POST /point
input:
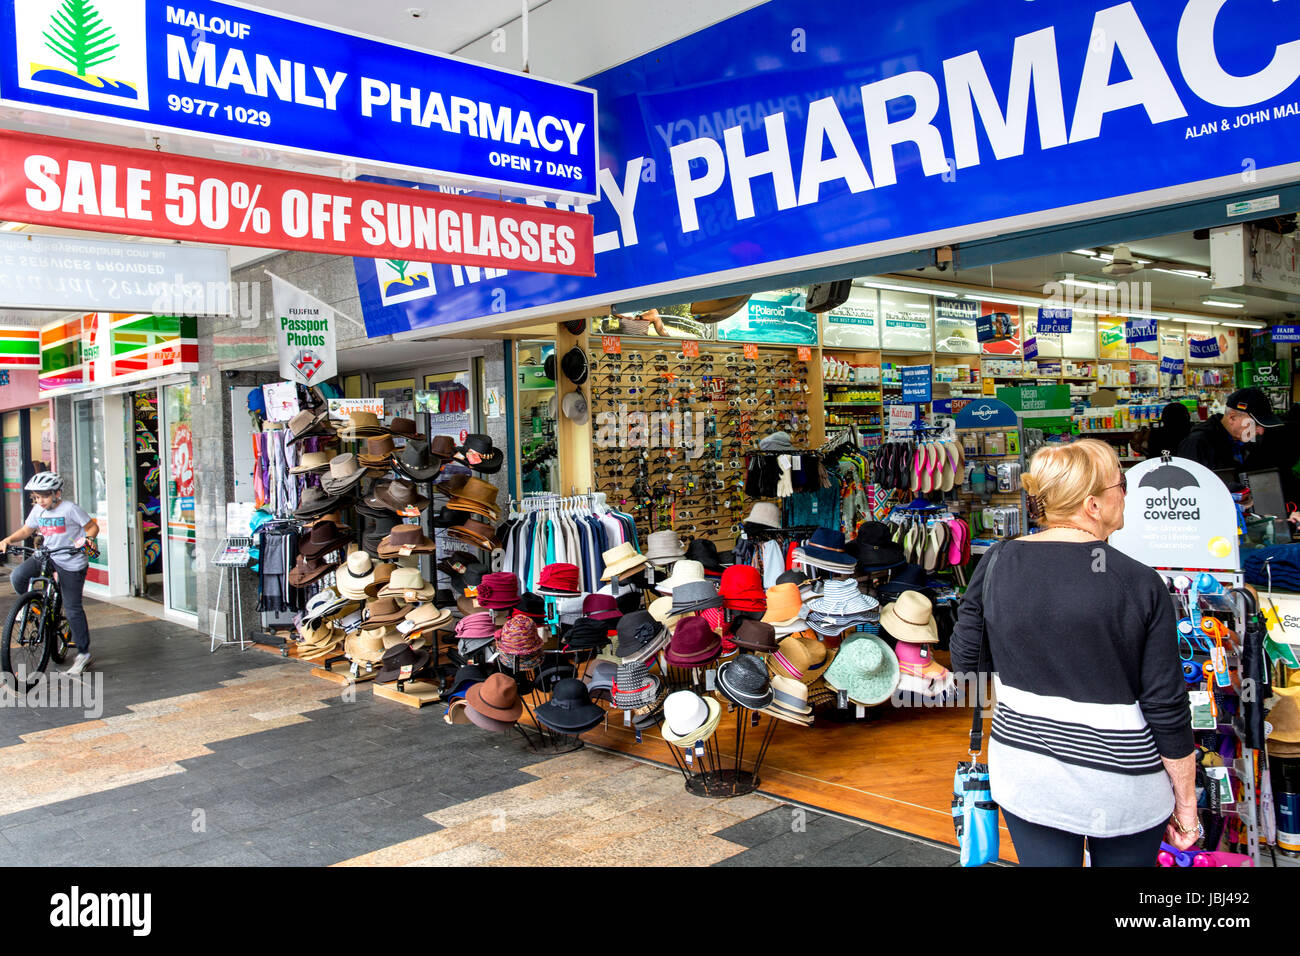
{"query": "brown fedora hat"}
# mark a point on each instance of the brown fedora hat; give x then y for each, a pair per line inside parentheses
(476, 532)
(323, 538)
(474, 491)
(404, 428)
(308, 570)
(378, 450)
(381, 575)
(443, 446)
(406, 539)
(385, 610)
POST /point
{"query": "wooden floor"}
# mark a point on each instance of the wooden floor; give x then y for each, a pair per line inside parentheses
(893, 768)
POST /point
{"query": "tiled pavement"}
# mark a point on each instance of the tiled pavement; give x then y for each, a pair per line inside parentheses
(243, 758)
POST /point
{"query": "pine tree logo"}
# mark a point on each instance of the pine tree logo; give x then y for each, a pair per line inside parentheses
(72, 48)
(79, 35)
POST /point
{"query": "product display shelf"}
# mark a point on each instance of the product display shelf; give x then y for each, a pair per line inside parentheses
(972, 503)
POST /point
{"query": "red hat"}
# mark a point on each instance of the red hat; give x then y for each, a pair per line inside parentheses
(693, 643)
(741, 588)
(560, 580)
(498, 590)
(601, 607)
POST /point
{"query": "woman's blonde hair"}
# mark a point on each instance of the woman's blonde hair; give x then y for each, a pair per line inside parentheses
(1060, 477)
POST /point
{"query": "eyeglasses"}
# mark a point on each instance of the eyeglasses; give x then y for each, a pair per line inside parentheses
(1122, 485)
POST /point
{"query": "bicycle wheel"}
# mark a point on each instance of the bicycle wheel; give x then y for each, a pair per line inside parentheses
(62, 642)
(24, 650)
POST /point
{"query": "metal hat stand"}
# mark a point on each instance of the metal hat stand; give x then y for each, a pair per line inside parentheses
(541, 738)
(718, 780)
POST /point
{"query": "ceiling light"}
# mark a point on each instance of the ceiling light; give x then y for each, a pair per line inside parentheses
(1005, 299)
(1223, 303)
(1085, 283)
(1244, 325)
(1185, 273)
(1187, 321)
(1090, 253)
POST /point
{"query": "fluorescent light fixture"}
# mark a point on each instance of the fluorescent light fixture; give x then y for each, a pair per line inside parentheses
(1187, 321)
(1007, 299)
(1087, 284)
(1090, 253)
(1223, 303)
(868, 284)
(1244, 325)
(1185, 273)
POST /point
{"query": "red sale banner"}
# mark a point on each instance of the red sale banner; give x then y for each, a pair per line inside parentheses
(691, 348)
(611, 345)
(750, 350)
(805, 353)
(60, 182)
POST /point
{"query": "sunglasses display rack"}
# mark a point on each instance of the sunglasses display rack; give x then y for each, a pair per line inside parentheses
(685, 468)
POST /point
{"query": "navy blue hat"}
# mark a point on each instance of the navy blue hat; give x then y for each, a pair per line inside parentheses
(826, 549)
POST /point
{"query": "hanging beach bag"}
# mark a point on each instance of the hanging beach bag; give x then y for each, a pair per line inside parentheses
(974, 814)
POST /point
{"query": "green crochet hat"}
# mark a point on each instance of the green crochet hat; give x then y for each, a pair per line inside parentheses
(866, 669)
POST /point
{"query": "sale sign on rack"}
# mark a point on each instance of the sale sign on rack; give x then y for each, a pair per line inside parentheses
(49, 181)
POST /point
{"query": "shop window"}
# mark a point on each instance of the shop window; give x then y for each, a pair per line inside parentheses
(538, 414)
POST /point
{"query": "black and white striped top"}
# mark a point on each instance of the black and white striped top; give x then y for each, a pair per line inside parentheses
(1089, 685)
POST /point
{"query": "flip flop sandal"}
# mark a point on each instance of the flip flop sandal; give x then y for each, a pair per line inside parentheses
(914, 477)
(938, 458)
(945, 542)
(923, 472)
(950, 466)
(931, 554)
(954, 545)
(912, 544)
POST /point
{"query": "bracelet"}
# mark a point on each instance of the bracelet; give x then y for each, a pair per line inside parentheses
(1182, 829)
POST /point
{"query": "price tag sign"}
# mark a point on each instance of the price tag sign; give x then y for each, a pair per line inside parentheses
(751, 351)
(611, 345)
(805, 353)
(691, 348)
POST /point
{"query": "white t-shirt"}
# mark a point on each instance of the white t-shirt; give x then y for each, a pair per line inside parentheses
(62, 527)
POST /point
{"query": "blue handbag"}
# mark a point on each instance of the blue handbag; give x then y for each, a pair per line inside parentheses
(974, 814)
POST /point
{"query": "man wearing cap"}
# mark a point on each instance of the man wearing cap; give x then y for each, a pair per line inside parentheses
(1235, 439)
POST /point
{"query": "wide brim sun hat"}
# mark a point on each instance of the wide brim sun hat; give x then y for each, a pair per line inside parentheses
(910, 619)
(699, 734)
(866, 668)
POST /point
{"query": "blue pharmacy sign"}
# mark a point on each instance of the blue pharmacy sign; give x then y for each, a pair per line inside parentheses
(230, 72)
(1203, 348)
(803, 135)
(1286, 333)
(1139, 330)
(1171, 366)
(1055, 321)
(917, 383)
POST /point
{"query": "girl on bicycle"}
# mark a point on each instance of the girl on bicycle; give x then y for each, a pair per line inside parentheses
(62, 524)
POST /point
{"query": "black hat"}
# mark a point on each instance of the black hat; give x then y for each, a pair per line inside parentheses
(446, 517)
(629, 601)
(584, 634)
(877, 557)
(797, 578)
(570, 710)
(415, 461)
(706, 552)
(639, 636)
(548, 366)
(396, 661)
(533, 605)
(456, 562)
(873, 532)
(465, 677)
(491, 457)
(575, 326)
(315, 501)
(1254, 403)
(910, 578)
(743, 680)
(574, 365)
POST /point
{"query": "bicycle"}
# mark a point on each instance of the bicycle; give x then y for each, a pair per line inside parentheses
(36, 630)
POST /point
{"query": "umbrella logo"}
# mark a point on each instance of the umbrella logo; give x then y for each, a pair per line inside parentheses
(1169, 476)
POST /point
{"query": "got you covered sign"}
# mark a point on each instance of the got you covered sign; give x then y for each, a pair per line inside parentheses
(220, 71)
(1178, 514)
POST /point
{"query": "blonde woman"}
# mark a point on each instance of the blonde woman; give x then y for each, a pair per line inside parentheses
(1091, 738)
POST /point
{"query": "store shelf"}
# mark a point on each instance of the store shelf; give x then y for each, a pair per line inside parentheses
(1107, 431)
(853, 404)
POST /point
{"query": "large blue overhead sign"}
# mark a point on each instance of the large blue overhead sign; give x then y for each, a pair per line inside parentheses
(217, 70)
(797, 135)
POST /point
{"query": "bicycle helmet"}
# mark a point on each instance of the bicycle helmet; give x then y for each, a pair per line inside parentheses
(44, 482)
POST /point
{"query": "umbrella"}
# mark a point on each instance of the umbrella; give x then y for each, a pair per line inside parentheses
(1169, 476)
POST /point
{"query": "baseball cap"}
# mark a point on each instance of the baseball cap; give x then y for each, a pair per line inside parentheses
(1254, 403)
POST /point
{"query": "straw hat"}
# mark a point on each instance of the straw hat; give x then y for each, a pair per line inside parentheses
(409, 585)
(354, 576)
(684, 572)
(910, 619)
(366, 646)
(800, 658)
(664, 547)
(661, 610)
(621, 559)
(313, 461)
(423, 618)
(1284, 717)
(362, 425)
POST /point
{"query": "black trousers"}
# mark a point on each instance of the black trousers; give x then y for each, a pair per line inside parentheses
(71, 584)
(1044, 846)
